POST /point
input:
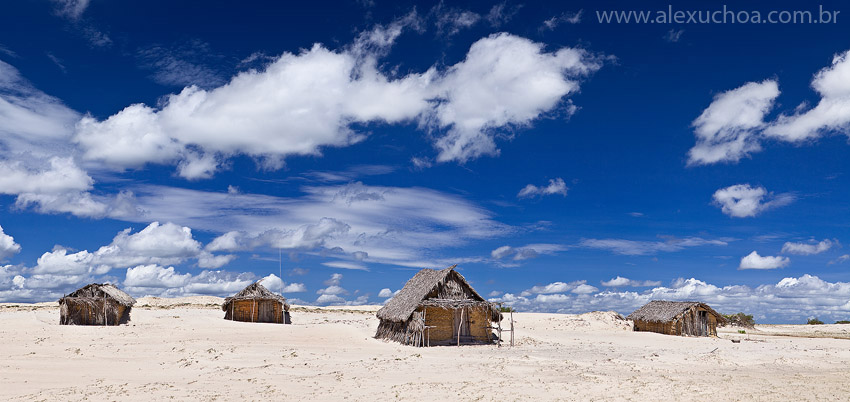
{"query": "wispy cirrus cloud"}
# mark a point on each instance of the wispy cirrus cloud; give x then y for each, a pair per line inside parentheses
(555, 186)
(637, 247)
(674, 35)
(71, 9)
(527, 252)
(184, 64)
(364, 224)
(564, 18)
(808, 248)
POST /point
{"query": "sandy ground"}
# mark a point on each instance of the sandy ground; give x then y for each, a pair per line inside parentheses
(183, 349)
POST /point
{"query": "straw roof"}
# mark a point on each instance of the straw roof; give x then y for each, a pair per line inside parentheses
(666, 311)
(402, 305)
(255, 291)
(101, 290)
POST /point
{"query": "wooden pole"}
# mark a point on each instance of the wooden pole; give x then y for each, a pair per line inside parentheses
(253, 303)
(427, 328)
(500, 326)
(460, 325)
(512, 329)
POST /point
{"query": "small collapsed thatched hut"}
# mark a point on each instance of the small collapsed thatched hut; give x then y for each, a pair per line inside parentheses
(437, 307)
(95, 304)
(677, 318)
(255, 303)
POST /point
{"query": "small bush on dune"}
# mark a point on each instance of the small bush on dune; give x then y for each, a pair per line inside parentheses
(740, 320)
(842, 322)
(814, 321)
(506, 309)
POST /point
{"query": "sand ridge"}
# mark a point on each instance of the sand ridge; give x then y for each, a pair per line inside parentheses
(183, 349)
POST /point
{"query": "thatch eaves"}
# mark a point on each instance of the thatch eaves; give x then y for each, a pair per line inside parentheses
(402, 305)
(101, 290)
(666, 311)
(255, 291)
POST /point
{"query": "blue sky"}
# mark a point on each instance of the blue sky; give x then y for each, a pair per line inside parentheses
(565, 164)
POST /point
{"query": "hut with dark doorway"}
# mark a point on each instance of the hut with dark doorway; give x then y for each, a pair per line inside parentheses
(96, 304)
(437, 308)
(677, 318)
(255, 303)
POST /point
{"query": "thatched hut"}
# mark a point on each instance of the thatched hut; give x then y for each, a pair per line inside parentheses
(256, 304)
(96, 304)
(677, 318)
(437, 307)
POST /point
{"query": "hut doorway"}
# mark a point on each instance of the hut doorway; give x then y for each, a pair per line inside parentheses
(702, 323)
(460, 329)
(267, 312)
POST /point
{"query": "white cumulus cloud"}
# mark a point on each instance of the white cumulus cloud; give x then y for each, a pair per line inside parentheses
(303, 102)
(755, 261)
(789, 300)
(831, 114)
(733, 126)
(8, 247)
(728, 129)
(744, 200)
(155, 276)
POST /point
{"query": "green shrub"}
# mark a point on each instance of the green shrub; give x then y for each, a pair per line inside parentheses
(741, 331)
(506, 309)
(842, 322)
(740, 320)
(814, 321)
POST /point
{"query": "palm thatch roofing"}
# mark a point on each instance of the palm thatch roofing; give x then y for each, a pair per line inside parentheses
(255, 291)
(100, 291)
(415, 291)
(666, 311)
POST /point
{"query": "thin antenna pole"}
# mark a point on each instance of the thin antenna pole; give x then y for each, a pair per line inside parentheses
(280, 272)
(280, 268)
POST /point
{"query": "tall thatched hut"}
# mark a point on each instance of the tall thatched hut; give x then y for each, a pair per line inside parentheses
(96, 304)
(677, 318)
(255, 303)
(440, 308)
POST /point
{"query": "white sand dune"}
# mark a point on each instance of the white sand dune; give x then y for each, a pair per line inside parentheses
(183, 349)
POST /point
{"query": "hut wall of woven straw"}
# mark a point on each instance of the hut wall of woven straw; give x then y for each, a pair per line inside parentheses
(446, 300)
(85, 311)
(442, 320)
(677, 318)
(480, 324)
(668, 328)
(95, 304)
(255, 303)
(445, 323)
(256, 311)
